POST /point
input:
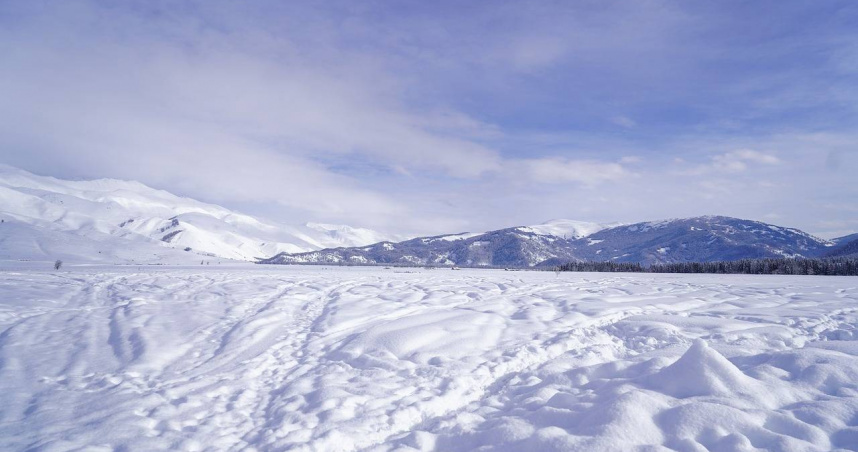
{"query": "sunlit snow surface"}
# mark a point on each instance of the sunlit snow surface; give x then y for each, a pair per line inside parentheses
(313, 358)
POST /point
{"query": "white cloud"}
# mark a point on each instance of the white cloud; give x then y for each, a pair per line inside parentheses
(738, 160)
(230, 114)
(560, 170)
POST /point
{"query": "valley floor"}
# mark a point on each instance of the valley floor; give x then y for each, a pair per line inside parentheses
(318, 358)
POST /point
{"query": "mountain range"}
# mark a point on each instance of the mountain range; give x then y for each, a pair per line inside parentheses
(701, 239)
(116, 221)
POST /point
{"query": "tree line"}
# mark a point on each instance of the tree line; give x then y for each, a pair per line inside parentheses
(771, 266)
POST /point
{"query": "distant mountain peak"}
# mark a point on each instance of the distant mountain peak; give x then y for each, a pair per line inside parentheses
(569, 229)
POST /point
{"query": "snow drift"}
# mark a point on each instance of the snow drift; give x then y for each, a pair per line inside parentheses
(298, 358)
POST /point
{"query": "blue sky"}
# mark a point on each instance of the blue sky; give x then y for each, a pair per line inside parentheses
(431, 117)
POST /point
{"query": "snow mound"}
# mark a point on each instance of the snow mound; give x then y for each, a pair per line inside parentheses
(702, 371)
(423, 337)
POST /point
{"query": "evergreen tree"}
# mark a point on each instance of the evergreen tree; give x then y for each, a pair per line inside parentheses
(838, 266)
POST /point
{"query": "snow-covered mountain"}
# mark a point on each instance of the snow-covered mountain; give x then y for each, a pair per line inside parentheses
(846, 246)
(46, 214)
(682, 240)
(568, 229)
(35, 240)
(523, 246)
(512, 247)
(701, 239)
(323, 235)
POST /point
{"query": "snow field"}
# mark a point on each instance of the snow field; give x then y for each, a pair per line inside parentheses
(314, 358)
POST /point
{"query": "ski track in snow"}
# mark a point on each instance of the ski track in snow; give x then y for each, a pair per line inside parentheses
(311, 358)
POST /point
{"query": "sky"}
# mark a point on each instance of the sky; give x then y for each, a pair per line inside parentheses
(422, 117)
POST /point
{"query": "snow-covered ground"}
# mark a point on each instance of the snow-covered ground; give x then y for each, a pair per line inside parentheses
(316, 358)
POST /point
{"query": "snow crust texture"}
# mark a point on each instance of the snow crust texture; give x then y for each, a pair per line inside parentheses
(342, 359)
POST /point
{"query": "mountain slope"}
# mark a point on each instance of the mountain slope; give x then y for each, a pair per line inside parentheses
(513, 247)
(709, 238)
(45, 243)
(96, 209)
(845, 239)
(845, 247)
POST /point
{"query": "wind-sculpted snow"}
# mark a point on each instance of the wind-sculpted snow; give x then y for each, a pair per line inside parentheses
(297, 358)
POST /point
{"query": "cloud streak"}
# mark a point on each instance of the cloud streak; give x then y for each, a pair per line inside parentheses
(738, 160)
(563, 171)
